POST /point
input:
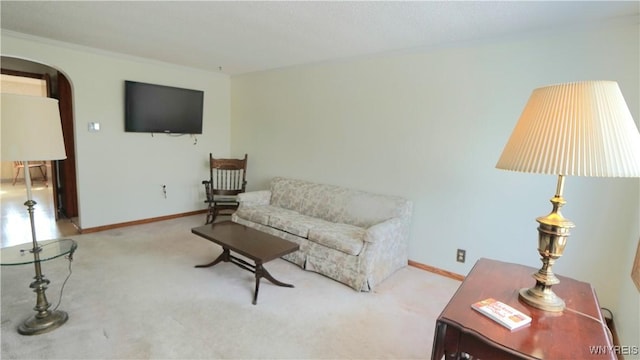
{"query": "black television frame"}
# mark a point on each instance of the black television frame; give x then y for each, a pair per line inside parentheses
(153, 108)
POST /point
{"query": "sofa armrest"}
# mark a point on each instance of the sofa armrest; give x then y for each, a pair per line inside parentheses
(254, 198)
(386, 247)
(385, 231)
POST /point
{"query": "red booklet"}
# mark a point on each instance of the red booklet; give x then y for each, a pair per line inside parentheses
(502, 313)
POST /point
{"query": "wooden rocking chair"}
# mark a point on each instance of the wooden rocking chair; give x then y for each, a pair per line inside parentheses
(227, 178)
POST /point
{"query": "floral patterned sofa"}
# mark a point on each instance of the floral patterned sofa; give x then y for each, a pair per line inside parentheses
(354, 237)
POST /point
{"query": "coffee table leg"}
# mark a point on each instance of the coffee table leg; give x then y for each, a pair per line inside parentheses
(258, 273)
(268, 276)
(261, 272)
(223, 257)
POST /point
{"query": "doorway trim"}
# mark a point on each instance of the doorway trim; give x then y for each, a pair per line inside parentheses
(64, 175)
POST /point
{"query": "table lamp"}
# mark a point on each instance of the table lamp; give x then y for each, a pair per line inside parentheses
(30, 130)
(573, 129)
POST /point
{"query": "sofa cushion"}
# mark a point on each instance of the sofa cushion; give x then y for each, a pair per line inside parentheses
(293, 223)
(289, 193)
(260, 214)
(366, 209)
(325, 202)
(335, 203)
(343, 237)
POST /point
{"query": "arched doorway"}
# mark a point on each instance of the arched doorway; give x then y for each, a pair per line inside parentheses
(61, 218)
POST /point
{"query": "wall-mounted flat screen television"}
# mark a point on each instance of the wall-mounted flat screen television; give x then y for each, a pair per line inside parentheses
(162, 109)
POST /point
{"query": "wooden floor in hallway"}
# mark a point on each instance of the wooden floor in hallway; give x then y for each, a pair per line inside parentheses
(14, 217)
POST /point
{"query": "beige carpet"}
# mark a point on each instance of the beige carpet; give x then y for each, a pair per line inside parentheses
(134, 294)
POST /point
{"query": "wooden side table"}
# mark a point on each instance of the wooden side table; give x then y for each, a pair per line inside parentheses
(579, 332)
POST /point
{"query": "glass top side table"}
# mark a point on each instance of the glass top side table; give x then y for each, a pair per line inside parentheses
(44, 320)
(23, 254)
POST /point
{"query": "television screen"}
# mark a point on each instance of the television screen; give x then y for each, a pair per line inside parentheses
(162, 109)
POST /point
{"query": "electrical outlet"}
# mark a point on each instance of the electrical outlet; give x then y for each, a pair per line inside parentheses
(461, 255)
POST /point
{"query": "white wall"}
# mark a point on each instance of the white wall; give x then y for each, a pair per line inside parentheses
(427, 125)
(120, 175)
(430, 126)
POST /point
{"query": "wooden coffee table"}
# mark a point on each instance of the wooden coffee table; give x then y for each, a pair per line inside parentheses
(253, 244)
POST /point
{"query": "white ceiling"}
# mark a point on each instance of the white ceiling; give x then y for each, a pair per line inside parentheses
(244, 36)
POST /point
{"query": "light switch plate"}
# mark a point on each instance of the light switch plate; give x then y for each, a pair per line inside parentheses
(94, 126)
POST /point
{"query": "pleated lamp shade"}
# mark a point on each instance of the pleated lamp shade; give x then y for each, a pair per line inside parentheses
(576, 129)
(30, 129)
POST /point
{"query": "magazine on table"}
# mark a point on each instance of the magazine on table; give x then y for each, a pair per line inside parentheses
(502, 313)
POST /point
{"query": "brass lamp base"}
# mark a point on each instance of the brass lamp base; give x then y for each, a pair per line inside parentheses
(37, 325)
(44, 320)
(553, 234)
(544, 299)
